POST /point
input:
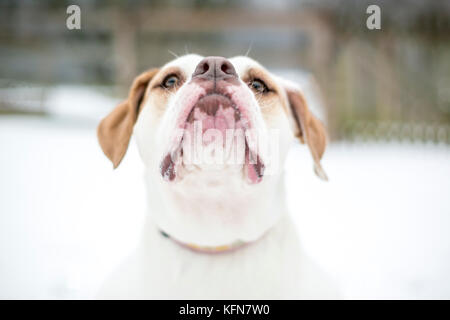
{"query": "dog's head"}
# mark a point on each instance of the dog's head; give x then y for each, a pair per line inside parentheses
(213, 134)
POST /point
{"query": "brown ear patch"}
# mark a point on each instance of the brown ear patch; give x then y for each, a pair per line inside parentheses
(309, 129)
(114, 131)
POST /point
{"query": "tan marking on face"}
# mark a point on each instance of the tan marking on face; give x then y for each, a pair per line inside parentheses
(159, 78)
(156, 95)
(272, 103)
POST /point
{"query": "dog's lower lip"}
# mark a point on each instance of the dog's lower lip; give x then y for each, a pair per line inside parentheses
(253, 166)
(168, 168)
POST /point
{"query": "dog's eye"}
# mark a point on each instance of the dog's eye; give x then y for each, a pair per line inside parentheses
(259, 86)
(170, 81)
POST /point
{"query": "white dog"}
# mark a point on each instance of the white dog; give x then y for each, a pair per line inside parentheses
(213, 134)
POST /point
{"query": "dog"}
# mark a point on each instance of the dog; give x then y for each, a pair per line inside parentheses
(215, 229)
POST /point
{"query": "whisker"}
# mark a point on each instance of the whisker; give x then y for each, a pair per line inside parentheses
(249, 48)
(173, 53)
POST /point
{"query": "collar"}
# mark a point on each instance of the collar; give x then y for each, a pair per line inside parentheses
(206, 249)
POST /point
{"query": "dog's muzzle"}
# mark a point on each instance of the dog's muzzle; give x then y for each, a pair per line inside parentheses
(214, 110)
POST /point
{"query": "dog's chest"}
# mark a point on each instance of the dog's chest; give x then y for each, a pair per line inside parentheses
(162, 269)
(247, 272)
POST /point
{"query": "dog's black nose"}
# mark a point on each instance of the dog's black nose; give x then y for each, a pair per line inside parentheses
(215, 68)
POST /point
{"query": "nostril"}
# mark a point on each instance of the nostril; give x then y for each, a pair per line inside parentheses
(205, 67)
(224, 68)
(227, 68)
(201, 69)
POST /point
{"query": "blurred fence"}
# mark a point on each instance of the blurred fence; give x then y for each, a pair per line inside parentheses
(388, 83)
(413, 132)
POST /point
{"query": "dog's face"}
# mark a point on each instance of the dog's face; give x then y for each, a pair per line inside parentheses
(213, 134)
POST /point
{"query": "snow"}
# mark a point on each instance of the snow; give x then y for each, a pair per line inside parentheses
(379, 226)
(69, 101)
(79, 101)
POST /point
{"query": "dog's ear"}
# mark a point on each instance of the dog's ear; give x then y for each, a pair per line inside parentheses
(114, 131)
(309, 129)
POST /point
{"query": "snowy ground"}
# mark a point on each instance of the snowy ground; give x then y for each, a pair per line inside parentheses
(380, 226)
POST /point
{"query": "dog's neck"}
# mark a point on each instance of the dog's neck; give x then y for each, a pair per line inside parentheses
(215, 216)
(207, 249)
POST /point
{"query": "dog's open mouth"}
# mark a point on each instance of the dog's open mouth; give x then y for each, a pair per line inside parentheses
(215, 134)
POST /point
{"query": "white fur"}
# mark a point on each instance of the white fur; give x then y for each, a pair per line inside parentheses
(213, 208)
